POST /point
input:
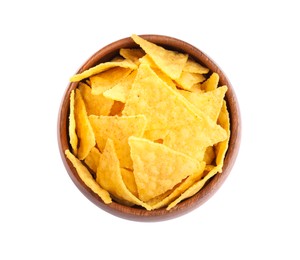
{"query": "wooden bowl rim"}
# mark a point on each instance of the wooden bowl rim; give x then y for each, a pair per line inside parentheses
(210, 188)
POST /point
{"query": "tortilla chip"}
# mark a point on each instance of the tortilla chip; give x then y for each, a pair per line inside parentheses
(194, 67)
(121, 90)
(118, 128)
(187, 80)
(95, 104)
(211, 83)
(170, 62)
(124, 63)
(153, 175)
(163, 106)
(110, 178)
(129, 181)
(92, 160)
(221, 148)
(108, 79)
(194, 188)
(209, 102)
(83, 127)
(72, 124)
(87, 178)
(132, 54)
(117, 109)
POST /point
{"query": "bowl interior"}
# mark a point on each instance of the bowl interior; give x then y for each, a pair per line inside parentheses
(137, 213)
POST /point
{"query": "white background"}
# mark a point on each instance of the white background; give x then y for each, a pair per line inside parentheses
(255, 214)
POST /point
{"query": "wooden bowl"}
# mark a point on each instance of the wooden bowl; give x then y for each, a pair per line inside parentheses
(210, 188)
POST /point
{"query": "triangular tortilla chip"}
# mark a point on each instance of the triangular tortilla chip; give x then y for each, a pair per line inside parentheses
(118, 128)
(163, 106)
(95, 104)
(194, 67)
(182, 187)
(72, 124)
(222, 147)
(87, 178)
(209, 102)
(110, 178)
(108, 79)
(132, 54)
(83, 127)
(153, 175)
(92, 159)
(211, 83)
(121, 91)
(188, 79)
(124, 63)
(170, 62)
(194, 188)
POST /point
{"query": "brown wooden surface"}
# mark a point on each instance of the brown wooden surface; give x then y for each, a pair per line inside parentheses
(135, 213)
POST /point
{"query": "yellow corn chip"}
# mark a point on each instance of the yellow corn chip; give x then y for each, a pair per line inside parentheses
(95, 104)
(222, 147)
(108, 79)
(72, 124)
(211, 83)
(194, 188)
(209, 102)
(117, 109)
(129, 181)
(87, 178)
(132, 54)
(92, 159)
(209, 155)
(124, 63)
(163, 106)
(118, 128)
(170, 62)
(153, 175)
(182, 187)
(121, 90)
(110, 178)
(83, 127)
(194, 67)
(188, 79)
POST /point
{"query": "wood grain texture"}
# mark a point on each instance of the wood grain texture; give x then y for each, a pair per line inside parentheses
(210, 188)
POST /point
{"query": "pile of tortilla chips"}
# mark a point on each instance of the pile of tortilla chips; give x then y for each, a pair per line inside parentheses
(148, 128)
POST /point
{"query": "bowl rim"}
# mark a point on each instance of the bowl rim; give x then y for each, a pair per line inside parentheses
(210, 188)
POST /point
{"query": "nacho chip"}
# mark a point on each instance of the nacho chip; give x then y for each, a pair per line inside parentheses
(170, 62)
(211, 83)
(92, 159)
(154, 175)
(118, 128)
(181, 188)
(121, 90)
(129, 181)
(194, 67)
(188, 79)
(132, 54)
(108, 79)
(163, 106)
(117, 109)
(110, 178)
(95, 104)
(209, 102)
(221, 148)
(194, 188)
(87, 178)
(124, 63)
(83, 127)
(72, 124)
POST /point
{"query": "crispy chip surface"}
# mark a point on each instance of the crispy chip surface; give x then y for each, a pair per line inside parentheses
(83, 127)
(123, 63)
(87, 178)
(211, 83)
(158, 168)
(72, 124)
(170, 62)
(110, 178)
(92, 159)
(95, 104)
(118, 129)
